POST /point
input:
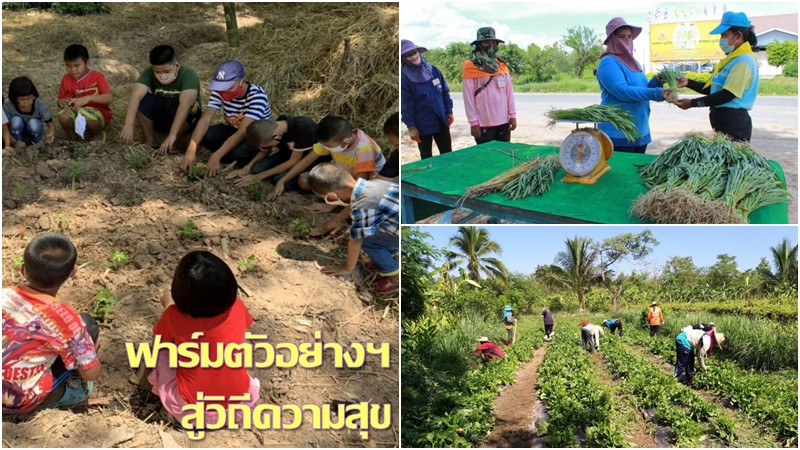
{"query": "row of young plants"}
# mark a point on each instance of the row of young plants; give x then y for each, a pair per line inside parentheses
(574, 399)
(448, 394)
(675, 406)
(751, 342)
(780, 310)
(768, 399)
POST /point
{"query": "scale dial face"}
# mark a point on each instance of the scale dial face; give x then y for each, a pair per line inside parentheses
(580, 153)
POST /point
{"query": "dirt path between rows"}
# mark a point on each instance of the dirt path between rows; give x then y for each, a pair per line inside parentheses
(748, 434)
(635, 430)
(514, 409)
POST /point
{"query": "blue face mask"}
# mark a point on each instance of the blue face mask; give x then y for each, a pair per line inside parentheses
(723, 44)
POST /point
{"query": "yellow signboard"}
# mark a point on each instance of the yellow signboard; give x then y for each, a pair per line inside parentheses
(684, 41)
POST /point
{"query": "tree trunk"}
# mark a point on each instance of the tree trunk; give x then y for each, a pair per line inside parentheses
(230, 24)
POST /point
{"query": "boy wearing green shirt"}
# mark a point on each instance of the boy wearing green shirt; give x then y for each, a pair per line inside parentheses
(165, 98)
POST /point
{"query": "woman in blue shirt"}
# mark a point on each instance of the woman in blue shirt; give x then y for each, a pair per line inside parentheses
(426, 107)
(732, 88)
(624, 84)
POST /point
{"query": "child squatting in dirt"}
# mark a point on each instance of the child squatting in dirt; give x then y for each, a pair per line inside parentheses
(49, 350)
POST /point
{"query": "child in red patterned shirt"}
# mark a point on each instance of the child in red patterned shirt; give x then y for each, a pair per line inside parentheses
(45, 341)
(84, 95)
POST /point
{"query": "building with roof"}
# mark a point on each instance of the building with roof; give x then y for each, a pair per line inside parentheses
(781, 28)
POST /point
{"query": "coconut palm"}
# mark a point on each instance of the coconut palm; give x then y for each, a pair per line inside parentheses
(784, 258)
(474, 248)
(574, 268)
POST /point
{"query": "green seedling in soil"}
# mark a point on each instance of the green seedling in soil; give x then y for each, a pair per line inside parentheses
(104, 265)
(246, 265)
(21, 188)
(104, 304)
(17, 261)
(119, 258)
(256, 190)
(75, 172)
(80, 151)
(196, 173)
(190, 231)
(138, 160)
(63, 222)
(300, 227)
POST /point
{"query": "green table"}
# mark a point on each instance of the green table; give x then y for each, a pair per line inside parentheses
(436, 184)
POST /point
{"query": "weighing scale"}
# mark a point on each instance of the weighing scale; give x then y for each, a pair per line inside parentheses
(584, 153)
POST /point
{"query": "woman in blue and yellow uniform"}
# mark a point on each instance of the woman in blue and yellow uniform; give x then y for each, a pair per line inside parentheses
(733, 86)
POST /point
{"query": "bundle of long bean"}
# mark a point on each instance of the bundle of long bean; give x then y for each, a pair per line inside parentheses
(669, 76)
(536, 181)
(711, 169)
(622, 120)
(500, 181)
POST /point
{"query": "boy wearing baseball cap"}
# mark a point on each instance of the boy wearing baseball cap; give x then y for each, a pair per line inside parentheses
(242, 103)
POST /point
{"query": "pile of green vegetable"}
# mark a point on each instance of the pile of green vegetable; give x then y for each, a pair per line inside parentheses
(529, 178)
(622, 120)
(702, 180)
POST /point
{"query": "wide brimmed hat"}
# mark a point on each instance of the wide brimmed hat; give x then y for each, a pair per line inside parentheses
(653, 304)
(483, 339)
(619, 22)
(406, 46)
(226, 74)
(720, 339)
(731, 19)
(486, 34)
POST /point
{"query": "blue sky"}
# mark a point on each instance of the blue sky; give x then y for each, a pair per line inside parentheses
(525, 246)
(434, 24)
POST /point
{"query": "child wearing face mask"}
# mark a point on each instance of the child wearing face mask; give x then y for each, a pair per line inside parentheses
(374, 206)
(27, 114)
(241, 103)
(351, 149)
(165, 99)
(84, 97)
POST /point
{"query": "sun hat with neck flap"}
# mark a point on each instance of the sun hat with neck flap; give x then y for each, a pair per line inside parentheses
(618, 22)
(486, 34)
(407, 46)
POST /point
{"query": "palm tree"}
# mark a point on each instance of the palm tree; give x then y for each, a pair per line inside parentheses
(574, 268)
(784, 257)
(473, 249)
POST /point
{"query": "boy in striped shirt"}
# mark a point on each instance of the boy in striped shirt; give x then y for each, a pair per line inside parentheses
(242, 103)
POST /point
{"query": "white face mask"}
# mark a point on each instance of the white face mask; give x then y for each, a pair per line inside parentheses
(167, 78)
(337, 202)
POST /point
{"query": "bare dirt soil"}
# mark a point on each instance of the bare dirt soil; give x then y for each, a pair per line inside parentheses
(116, 207)
(514, 409)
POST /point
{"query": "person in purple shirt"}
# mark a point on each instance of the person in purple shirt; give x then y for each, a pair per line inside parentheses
(548, 324)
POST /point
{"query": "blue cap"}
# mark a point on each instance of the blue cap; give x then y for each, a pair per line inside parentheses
(731, 19)
(226, 74)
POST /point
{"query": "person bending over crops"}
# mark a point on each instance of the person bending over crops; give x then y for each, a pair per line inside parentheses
(488, 350)
(732, 88)
(624, 84)
(427, 107)
(614, 325)
(699, 341)
(548, 324)
(488, 93)
(166, 99)
(655, 318)
(590, 335)
(242, 103)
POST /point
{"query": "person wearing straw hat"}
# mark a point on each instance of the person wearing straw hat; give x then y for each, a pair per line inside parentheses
(699, 341)
(731, 91)
(624, 84)
(488, 93)
(655, 318)
(426, 107)
(488, 350)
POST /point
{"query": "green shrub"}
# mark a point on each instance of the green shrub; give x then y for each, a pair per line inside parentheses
(790, 69)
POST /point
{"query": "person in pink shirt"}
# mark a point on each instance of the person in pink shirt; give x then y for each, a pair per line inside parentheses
(488, 92)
